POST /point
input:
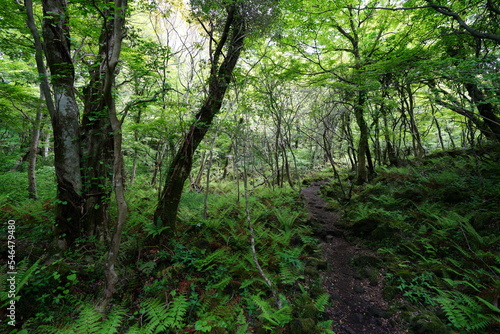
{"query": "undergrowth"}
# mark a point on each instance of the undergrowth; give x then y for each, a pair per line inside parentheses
(437, 221)
(202, 280)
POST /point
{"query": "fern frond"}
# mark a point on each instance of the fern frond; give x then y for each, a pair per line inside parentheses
(176, 312)
(276, 317)
(113, 321)
(321, 302)
(89, 321)
(463, 311)
(155, 312)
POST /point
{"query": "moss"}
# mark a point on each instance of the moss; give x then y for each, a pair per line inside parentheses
(383, 232)
(364, 227)
(302, 326)
(428, 323)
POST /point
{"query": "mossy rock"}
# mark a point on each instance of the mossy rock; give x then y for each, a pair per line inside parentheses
(302, 326)
(407, 275)
(364, 227)
(369, 273)
(305, 307)
(383, 232)
(427, 323)
(319, 262)
(454, 195)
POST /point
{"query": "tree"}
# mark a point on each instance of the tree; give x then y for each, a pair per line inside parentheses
(227, 24)
(222, 65)
(64, 114)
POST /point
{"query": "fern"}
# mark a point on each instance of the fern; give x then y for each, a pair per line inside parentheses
(462, 311)
(177, 311)
(155, 312)
(326, 326)
(23, 275)
(321, 302)
(285, 218)
(210, 261)
(275, 317)
(163, 316)
(90, 321)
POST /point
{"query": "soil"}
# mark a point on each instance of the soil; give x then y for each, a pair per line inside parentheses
(357, 304)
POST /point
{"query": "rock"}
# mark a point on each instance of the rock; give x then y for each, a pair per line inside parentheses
(302, 326)
(427, 323)
(377, 312)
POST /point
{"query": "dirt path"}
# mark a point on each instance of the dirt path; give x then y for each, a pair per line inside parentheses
(358, 305)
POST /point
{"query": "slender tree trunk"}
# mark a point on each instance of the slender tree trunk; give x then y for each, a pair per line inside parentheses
(440, 135)
(220, 77)
(46, 144)
(207, 182)
(226, 161)
(35, 139)
(417, 143)
(199, 175)
(111, 61)
(364, 156)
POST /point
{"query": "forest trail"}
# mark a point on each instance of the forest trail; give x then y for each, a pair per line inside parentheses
(357, 305)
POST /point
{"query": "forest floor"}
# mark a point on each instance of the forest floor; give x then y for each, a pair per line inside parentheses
(357, 305)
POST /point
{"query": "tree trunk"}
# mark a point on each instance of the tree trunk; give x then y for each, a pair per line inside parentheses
(220, 77)
(64, 116)
(418, 149)
(364, 156)
(97, 138)
(486, 110)
(111, 60)
(35, 139)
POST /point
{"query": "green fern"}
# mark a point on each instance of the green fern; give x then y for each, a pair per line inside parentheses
(275, 317)
(286, 218)
(163, 316)
(176, 311)
(155, 312)
(23, 275)
(321, 302)
(90, 321)
(463, 311)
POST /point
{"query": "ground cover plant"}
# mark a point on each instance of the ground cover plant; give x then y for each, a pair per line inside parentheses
(203, 280)
(436, 220)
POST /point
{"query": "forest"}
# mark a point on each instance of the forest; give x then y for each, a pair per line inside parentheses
(250, 166)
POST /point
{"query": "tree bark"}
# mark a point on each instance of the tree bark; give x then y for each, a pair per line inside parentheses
(64, 116)
(97, 137)
(365, 165)
(220, 77)
(116, 36)
(35, 139)
(486, 110)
